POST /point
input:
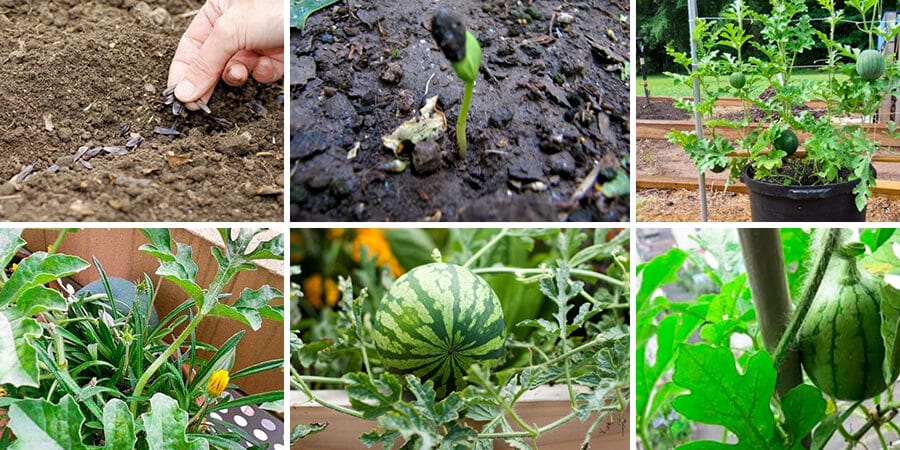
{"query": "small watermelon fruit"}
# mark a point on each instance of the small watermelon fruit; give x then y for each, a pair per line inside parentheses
(841, 347)
(737, 80)
(787, 142)
(436, 321)
(870, 65)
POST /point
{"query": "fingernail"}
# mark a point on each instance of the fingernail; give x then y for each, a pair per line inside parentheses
(185, 91)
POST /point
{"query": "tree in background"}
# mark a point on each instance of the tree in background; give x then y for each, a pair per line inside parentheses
(665, 22)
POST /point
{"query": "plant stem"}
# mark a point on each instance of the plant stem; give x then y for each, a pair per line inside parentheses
(312, 397)
(579, 272)
(764, 260)
(211, 295)
(486, 247)
(810, 287)
(59, 239)
(461, 121)
(315, 379)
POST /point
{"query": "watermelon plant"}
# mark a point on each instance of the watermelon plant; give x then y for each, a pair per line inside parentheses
(474, 320)
(795, 345)
(90, 369)
(756, 51)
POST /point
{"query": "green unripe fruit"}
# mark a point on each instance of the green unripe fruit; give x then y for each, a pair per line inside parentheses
(870, 65)
(436, 321)
(841, 347)
(787, 142)
(737, 80)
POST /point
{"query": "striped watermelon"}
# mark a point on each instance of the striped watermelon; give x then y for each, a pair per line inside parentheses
(436, 321)
(841, 347)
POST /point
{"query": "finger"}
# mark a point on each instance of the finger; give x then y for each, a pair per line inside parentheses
(190, 43)
(267, 70)
(235, 74)
(206, 68)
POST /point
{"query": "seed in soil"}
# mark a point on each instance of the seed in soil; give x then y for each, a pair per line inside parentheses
(167, 131)
(134, 142)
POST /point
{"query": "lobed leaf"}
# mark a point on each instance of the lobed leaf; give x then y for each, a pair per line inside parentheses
(165, 426)
(41, 424)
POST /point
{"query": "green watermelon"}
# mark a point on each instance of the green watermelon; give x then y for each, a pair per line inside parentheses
(870, 65)
(737, 80)
(841, 347)
(436, 321)
(787, 142)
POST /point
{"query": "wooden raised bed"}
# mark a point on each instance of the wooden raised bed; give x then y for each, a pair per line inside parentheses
(117, 251)
(541, 406)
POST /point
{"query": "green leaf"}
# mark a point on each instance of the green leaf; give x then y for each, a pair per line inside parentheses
(302, 9)
(719, 395)
(18, 359)
(160, 244)
(661, 270)
(803, 408)
(10, 243)
(38, 269)
(183, 272)
(40, 299)
(467, 68)
(890, 330)
(165, 426)
(303, 430)
(39, 424)
(618, 186)
(251, 306)
(118, 426)
(875, 238)
(371, 397)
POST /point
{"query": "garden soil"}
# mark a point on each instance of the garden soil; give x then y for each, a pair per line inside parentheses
(76, 74)
(551, 105)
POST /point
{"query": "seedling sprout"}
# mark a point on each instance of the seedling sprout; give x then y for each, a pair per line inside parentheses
(461, 48)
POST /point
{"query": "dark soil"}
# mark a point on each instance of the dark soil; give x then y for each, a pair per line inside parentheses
(73, 74)
(548, 108)
(660, 110)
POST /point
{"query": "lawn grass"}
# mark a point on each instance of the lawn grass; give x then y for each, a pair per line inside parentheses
(663, 86)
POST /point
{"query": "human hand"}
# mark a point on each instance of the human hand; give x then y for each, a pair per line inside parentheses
(231, 39)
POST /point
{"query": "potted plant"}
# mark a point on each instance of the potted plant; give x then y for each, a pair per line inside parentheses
(538, 355)
(747, 52)
(129, 361)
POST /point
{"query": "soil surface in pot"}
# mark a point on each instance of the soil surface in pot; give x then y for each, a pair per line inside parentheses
(74, 74)
(550, 105)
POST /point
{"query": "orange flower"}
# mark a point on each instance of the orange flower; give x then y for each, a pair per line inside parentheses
(376, 246)
(319, 292)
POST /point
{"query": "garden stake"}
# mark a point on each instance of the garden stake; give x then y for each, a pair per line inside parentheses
(461, 48)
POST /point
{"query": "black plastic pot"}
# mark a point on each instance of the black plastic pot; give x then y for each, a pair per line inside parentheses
(771, 202)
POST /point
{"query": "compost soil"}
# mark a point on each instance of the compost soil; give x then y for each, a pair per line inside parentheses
(78, 74)
(550, 106)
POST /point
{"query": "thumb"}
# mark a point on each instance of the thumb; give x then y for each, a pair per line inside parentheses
(205, 69)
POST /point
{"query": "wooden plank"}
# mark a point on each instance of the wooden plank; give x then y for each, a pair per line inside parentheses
(657, 129)
(883, 188)
(540, 406)
(734, 102)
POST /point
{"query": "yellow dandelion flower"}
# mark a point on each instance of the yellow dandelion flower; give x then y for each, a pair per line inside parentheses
(217, 383)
